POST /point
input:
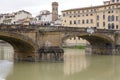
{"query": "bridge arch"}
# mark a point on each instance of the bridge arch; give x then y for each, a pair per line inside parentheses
(24, 47)
(101, 43)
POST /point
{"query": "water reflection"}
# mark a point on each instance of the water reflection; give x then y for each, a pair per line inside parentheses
(76, 66)
(74, 61)
(5, 68)
(6, 52)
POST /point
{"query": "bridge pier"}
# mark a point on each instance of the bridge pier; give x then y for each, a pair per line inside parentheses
(52, 53)
(51, 57)
(116, 50)
(102, 50)
(24, 56)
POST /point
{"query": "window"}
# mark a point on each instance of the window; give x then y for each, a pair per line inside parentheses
(91, 20)
(103, 24)
(97, 24)
(112, 25)
(108, 11)
(78, 21)
(91, 14)
(86, 14)
(74, 21)
(70, 22)
(112, 11)
(112, 17)
(78, 15)
(97, 17)
(87, 21)
(70, 16)
(113, 0)
(104, 17)
(109, 18)
(116, 26)
(83, 21)
(74, 16)
(109, 27)
(116, 18)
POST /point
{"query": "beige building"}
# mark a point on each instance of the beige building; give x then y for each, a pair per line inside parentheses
(105, 16)
(11, 18)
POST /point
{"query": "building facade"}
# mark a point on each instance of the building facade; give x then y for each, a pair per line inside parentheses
(45, 17)
(12, 18)
(105, 16)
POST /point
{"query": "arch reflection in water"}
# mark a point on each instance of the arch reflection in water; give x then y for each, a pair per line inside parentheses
(5, 68)
(6, 51)
(74, 61)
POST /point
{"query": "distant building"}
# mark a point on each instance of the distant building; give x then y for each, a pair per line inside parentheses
(12, 18)
(45, 17)
(105, 16)
(49, 18)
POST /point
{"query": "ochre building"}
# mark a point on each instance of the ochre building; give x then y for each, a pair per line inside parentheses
(105, 16)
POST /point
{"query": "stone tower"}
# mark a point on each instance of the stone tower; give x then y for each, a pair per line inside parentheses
(54, 11)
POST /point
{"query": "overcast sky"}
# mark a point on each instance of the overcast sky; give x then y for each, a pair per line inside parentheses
(35, 6)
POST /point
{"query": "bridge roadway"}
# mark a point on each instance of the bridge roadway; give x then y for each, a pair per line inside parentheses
(27, 40)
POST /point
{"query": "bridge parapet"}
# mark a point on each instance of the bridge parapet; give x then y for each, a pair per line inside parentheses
(28, 28)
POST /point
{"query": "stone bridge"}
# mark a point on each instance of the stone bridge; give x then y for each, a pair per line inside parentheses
(28, 40)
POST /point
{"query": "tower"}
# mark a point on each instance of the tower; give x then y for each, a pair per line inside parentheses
(54, 11)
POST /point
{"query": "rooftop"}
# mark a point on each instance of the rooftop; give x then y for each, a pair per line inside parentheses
(92, 7)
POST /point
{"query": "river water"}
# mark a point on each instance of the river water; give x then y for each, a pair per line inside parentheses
(76, 66)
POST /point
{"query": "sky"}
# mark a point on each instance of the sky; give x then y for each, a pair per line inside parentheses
(35, 6)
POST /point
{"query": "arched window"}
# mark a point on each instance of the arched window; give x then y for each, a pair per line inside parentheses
(112, 18)
(109, 18)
